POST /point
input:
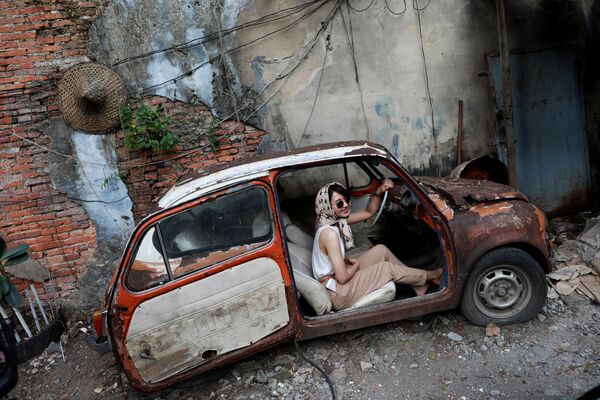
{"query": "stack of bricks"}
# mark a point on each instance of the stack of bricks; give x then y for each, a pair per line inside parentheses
(149, 175)
(39, 40)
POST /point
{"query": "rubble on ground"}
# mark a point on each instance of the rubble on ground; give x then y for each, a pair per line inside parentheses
(556, 355)
(577, 261)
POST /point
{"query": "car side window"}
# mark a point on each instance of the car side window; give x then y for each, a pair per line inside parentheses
(357, 177)
(148, 268)
(217, 230)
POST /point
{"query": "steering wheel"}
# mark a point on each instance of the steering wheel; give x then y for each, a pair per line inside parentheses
(381, 207)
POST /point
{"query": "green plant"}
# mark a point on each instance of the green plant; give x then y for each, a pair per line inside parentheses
(210, 133)
(110, 182)
(147, 128)
(16, 255)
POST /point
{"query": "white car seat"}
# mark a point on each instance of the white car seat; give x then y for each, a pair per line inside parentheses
(316, 294)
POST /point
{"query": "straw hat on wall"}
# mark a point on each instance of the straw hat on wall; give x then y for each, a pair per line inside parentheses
(90, 96)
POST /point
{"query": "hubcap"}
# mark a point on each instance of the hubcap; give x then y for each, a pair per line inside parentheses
(502, 291)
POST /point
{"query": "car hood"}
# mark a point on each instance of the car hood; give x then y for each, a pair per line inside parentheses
(459, 193)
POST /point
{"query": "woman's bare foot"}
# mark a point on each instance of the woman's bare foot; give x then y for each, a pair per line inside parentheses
(421, 290)
(435, 276)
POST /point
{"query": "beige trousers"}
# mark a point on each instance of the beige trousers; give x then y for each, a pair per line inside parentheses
(378, 266)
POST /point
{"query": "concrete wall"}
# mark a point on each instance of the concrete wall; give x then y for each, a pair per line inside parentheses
(392, 104)
(456, 35)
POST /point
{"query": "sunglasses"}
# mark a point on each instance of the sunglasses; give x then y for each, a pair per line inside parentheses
(341, 203)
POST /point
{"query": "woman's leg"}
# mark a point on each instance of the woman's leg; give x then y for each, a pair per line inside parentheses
(364, 281)
(378, 254)
(414, 277)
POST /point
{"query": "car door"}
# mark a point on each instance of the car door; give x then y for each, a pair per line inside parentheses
(203, 284)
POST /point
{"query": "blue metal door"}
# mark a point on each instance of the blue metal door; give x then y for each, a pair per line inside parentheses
(551, 143)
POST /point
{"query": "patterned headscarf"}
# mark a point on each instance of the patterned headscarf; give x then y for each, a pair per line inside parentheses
(326, 215)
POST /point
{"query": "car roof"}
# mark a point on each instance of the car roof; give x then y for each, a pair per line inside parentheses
(216, 177)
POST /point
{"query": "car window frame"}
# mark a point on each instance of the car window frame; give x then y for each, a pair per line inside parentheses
(208, 197)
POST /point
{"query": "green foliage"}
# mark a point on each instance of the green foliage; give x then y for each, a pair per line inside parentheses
(14, 256)
(210, 133)
(110, 182)
(147, 128)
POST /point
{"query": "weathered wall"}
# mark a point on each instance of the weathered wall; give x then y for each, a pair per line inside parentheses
(149, 175)
(39, 40)
(392, 105)
(456, 35)
(61, 190)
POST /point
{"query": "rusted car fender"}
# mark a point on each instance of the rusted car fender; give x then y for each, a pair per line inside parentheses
(488, 226)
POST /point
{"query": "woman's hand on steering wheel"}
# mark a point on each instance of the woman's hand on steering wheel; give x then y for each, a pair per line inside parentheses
(386, 184)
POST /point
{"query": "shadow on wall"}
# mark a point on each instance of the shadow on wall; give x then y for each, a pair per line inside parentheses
(592, 96)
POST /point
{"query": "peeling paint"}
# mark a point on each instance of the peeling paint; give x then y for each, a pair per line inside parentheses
(111, 210)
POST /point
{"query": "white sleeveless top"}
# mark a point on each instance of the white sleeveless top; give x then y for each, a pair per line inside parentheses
(321, 265)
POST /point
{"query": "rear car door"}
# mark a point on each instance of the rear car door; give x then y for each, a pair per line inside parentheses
(202, 284)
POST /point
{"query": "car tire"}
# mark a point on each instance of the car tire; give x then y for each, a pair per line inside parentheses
(505, 286)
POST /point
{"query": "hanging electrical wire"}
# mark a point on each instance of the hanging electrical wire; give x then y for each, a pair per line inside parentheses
(357, 10)
(327, 48)
(416, 5)
(387, 5)
(284, 74)
(350, 39)
(211, 59)
(266, 19)
(424, 59)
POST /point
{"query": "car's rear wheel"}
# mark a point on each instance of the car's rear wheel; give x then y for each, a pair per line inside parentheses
(506, 286)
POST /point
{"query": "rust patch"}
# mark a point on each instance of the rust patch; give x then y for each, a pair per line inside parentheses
(465, 192)
(492, 209)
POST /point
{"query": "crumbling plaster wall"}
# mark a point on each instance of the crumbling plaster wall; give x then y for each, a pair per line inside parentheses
(456, 35)
(406, 97)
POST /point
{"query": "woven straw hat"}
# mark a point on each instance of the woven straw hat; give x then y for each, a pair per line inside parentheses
(90, 97)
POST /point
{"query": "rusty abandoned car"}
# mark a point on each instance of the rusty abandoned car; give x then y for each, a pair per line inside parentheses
(221, 269)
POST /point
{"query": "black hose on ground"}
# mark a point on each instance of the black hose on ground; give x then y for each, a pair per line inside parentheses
(321, 370)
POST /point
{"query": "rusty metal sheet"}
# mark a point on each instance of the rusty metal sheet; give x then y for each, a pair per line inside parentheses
(466, 192)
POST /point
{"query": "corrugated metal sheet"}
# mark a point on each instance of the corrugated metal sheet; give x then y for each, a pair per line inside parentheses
(551, 141)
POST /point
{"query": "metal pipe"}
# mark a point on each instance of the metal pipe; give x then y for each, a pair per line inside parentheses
(39, 303)
(22, 321)
(5, 316)
(507, 91)
(33, 313)
(460, 133)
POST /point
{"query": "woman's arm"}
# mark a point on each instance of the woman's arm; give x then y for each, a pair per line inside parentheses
(373, 205)
(330, 245)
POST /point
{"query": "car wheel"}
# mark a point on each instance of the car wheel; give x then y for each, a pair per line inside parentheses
(506, 286)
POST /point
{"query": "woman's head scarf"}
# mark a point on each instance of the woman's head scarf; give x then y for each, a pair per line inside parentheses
(326, 215)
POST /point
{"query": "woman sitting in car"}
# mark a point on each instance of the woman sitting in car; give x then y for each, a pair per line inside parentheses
(347, 279)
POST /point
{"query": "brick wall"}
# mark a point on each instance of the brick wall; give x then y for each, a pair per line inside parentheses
(39, 40)
(148, 176)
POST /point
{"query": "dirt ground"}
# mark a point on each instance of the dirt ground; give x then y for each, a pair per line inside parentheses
(554, 356)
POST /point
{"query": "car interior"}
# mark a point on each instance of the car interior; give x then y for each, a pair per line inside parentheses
(399, 227)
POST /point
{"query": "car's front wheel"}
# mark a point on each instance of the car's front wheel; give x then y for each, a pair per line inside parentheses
(506, 286)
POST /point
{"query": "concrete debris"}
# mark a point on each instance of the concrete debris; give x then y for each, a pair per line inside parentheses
(566, 287)
(590, 286)
(492, 330)
(591, 233)
(570, 272)
(568, 279)
(455, 337)
(364, 366)
(261, 377)
(552, 294)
